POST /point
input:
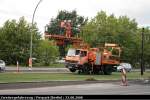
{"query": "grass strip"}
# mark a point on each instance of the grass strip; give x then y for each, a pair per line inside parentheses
(36, 77)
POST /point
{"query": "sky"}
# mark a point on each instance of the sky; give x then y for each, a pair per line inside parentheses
(14, 9)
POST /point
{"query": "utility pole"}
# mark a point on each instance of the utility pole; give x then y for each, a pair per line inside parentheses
(142, 48)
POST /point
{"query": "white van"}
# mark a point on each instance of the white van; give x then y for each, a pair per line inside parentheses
(2, 65)
(127, 67)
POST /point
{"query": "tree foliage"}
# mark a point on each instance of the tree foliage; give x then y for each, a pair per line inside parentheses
(15, 44)
(46, 52)
(15, 40)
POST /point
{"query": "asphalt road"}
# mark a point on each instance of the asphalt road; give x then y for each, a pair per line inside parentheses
(38, 69)
(108, 88)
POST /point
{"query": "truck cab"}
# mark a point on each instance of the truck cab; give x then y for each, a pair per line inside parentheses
(76, 58)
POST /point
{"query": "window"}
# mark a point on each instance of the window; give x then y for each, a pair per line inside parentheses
(77, 52)
(83, 53)
(71, 52)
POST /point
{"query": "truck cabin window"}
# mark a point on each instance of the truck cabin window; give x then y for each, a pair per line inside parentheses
(83, 53)
(71, 52)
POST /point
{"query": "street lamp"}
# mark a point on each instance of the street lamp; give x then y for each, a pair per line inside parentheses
(30, 59)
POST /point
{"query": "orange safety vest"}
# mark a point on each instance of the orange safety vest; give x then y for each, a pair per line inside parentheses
(92, 56)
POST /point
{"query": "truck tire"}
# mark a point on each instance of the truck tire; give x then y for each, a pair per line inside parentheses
(107, 70)
(96, 71)
(86, 68)
(72, 69)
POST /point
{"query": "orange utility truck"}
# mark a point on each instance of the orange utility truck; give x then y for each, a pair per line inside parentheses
(93, 60)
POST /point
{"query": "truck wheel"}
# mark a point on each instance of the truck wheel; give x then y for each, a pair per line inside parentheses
(72, 69)
(80, 71)
(96, 71)
(86, 68)
(107, 70)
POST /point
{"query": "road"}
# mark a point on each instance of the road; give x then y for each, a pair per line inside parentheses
(109, 88)
(38, 69)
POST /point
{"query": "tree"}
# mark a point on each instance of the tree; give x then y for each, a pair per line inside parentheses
(100, 29)
(146, 51)
(15, 41)
(46, 52)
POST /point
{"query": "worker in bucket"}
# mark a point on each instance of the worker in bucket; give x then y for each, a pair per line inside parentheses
(123, 76)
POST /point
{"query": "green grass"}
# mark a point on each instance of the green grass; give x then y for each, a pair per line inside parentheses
(34, 77)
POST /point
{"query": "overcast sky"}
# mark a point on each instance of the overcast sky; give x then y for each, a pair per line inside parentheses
(14, 9)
